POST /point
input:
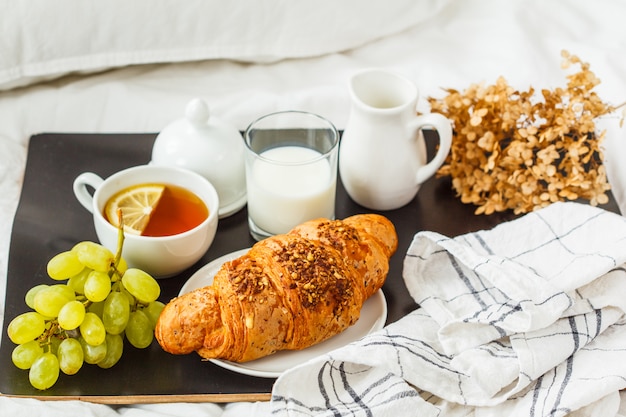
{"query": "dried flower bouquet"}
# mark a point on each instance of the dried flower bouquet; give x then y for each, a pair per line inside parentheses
(514, 151)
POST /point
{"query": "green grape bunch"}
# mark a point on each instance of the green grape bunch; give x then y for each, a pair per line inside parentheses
(93, 304)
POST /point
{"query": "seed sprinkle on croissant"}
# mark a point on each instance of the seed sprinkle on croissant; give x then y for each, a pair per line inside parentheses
(249, 281)
(316, 273)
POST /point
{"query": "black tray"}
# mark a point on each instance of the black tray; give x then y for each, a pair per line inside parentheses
(49, 219)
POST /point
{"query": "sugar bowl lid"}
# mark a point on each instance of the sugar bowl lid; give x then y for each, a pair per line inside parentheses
(204, 144)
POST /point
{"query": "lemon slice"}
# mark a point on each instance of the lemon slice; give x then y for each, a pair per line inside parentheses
(137, 204)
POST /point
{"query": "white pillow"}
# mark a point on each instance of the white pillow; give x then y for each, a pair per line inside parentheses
(42, 39)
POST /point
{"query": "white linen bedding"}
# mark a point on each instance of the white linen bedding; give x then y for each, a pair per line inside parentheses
(437, 44)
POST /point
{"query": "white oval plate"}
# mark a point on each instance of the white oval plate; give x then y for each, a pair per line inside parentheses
(373, 317)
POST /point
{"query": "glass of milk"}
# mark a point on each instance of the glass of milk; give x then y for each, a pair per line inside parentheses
(291, 171)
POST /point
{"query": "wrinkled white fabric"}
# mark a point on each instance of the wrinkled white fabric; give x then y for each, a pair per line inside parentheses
(524, 319)
(464, 42)
(38, 43)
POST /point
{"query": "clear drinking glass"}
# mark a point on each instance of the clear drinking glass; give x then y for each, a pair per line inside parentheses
(291, 171)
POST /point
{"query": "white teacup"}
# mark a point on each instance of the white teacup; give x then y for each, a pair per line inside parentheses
(161, 256)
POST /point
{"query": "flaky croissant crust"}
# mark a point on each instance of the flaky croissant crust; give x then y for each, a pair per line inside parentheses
(288, 292)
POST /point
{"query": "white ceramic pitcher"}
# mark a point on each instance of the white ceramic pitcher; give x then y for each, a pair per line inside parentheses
(382, 155)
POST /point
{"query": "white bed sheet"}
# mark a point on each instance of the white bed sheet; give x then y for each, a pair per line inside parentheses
(465, 42)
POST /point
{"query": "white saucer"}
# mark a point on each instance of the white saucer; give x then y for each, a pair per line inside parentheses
(373, 317)
(233, 207)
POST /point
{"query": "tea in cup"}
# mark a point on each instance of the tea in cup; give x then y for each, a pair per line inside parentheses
(170, 239)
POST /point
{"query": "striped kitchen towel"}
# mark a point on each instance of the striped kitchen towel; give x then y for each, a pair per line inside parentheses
(526, 319)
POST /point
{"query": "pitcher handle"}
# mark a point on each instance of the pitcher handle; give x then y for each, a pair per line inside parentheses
(443, 126)
(81, 192)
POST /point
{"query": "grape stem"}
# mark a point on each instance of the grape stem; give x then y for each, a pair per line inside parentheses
(120, 244)
(54, 330)
(120, 236)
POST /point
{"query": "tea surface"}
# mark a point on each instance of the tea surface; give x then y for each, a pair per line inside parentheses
(178, 211)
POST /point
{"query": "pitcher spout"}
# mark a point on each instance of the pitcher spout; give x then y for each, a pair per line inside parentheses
(379, 89)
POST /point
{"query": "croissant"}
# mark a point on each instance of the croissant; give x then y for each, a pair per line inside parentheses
(289, 291)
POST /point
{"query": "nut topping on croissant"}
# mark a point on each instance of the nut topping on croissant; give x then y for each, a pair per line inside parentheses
(288, 292)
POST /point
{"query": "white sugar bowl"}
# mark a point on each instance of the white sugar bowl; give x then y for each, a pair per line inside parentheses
(204, 144)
